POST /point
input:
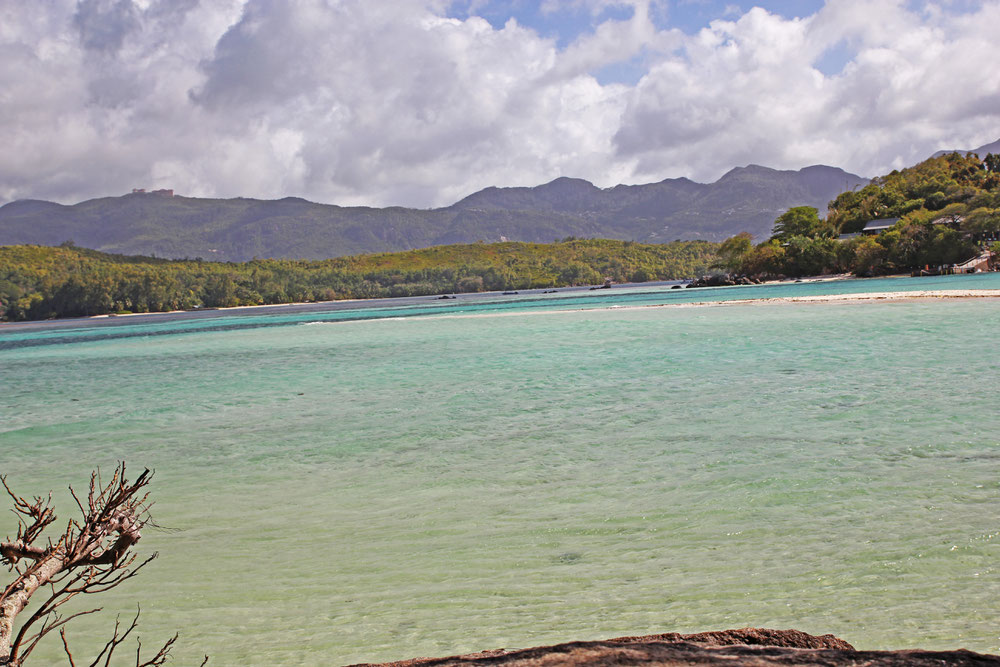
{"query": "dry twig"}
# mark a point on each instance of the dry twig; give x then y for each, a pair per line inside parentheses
(92, 555)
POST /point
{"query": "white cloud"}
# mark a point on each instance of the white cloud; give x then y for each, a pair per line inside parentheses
(739, 91)
(747, 91)
(356, 102)
(616, 41)
(402, 106)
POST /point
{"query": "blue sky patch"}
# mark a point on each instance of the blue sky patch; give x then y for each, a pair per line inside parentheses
(571, 20)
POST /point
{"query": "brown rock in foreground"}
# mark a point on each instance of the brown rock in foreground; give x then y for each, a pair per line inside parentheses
(747, 647)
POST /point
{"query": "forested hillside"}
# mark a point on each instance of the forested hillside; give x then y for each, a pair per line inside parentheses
(44, 282)
(942, 211)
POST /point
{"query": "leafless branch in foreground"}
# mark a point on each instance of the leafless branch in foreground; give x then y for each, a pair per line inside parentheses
(92, 555)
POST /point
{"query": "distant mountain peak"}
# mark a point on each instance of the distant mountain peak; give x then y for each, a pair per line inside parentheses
(822, 168)
(568, 180)
(982, 151)
(747, 170)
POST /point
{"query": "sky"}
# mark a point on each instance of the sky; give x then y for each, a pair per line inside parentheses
(422, 102)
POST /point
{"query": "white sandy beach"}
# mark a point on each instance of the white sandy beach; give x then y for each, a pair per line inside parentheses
(871, 297)
(850, 298)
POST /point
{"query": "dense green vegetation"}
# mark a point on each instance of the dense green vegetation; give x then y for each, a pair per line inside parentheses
(948, 209)
(38, 282)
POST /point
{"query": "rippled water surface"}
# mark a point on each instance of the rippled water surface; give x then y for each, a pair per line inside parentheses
(369, 484)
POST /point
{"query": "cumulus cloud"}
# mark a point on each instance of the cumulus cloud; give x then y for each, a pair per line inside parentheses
(355, 102)
(401, 103)
(749, 90)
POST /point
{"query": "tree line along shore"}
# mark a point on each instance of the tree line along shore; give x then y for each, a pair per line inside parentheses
(941, 212)
(40, 282)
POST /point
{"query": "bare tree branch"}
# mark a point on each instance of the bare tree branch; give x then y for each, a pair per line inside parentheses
(117, 639)
(56, 622)
(69, 654)
(92, 555)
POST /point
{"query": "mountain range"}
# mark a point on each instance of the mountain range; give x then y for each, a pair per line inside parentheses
(161, 224)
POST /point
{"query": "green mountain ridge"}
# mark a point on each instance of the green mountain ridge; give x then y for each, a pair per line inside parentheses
(745, 199)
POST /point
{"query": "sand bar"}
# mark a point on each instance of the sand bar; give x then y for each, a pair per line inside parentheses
(864, 297)
(870, 297)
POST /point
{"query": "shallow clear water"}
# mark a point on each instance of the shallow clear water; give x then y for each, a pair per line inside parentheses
(336, 489)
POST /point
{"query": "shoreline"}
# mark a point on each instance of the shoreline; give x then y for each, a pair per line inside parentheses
(844, 298)
(809, 279)
(852, 299)
(870, 296)
(890, 297)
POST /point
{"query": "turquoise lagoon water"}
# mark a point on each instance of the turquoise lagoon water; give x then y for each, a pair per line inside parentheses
(380, 481)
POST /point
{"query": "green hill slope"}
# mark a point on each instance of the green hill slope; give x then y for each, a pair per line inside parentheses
(941, 212)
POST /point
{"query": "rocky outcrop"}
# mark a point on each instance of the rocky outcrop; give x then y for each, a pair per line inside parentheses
(723, 280)
(747, 647)
(747, 636)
